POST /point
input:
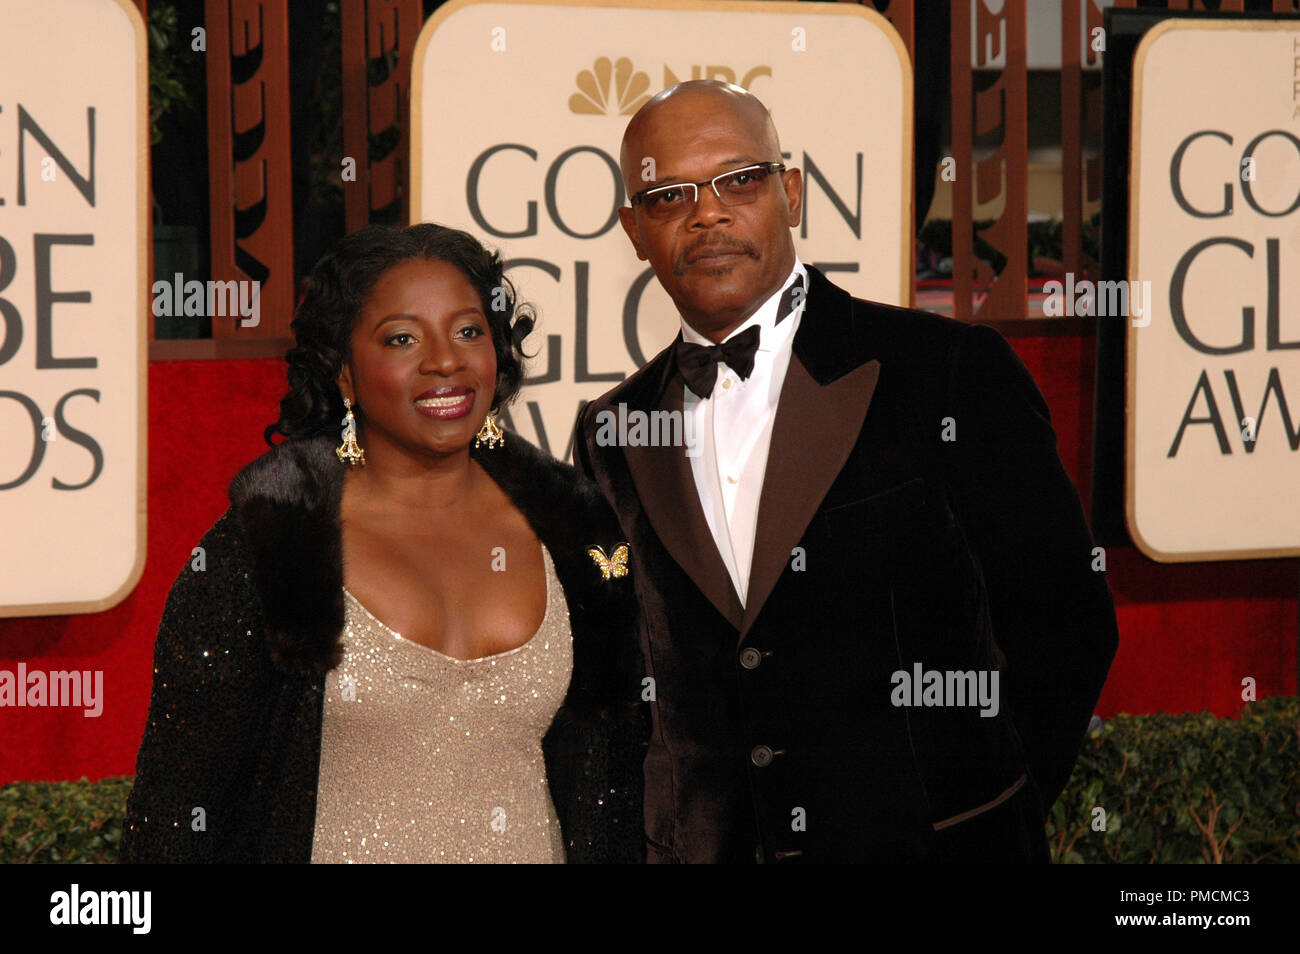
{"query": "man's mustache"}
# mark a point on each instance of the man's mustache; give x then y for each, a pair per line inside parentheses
(740, 248)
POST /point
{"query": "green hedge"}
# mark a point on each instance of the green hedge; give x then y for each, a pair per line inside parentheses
(1186, 789)
(1174, 788)
(62, 822)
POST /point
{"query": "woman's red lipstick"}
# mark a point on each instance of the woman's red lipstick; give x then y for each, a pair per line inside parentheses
(445, 403)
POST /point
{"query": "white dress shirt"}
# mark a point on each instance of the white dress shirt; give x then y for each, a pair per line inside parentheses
(733, 430)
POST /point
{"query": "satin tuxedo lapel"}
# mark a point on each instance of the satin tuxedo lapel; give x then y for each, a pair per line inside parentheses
(824, 401)
(666, 488)
(816, 428)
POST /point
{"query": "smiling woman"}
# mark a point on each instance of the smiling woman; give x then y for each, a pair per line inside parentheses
(401, 648)
(422, 352)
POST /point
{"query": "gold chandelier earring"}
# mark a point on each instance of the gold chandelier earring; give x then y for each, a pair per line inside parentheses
(350, 451)
(490, 433)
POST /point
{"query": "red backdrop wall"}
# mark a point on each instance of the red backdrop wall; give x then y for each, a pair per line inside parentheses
(1189, 633)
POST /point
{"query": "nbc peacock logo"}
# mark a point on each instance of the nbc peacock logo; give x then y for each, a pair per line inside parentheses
(606, 88)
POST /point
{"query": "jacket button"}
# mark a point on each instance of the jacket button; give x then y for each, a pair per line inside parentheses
(750, 658)
(761, 755)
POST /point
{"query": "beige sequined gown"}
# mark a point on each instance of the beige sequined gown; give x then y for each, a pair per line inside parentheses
(428, 758)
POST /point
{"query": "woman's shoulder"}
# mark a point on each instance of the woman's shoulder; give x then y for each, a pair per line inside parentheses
(221, 556)
(286, 503)
(291, 472)
(209, 607)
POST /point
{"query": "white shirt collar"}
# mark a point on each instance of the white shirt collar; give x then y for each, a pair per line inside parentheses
(770, 334)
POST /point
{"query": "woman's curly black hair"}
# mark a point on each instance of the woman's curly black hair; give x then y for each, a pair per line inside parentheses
(337, 291)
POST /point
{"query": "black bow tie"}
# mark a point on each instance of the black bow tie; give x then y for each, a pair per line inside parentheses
(699, 363)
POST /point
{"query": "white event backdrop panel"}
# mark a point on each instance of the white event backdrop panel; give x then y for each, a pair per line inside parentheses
(518, 110)
(73, 304)
(1213, 381)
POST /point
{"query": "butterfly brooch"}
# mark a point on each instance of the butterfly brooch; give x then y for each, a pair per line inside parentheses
(612, 566)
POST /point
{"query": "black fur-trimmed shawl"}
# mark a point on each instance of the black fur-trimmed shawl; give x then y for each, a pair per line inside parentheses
(288, 503)
(234, 725)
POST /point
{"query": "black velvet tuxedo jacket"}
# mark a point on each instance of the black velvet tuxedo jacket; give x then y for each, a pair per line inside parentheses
(235, 718)
(881, 546)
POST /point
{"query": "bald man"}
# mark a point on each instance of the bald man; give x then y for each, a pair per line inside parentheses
(870, 619)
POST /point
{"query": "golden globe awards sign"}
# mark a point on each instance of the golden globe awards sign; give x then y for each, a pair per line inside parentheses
(1213, 378)
(518, 110)
(73, 303)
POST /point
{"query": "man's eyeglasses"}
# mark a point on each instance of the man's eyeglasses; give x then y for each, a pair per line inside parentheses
(737, 187)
